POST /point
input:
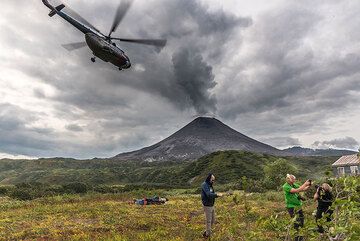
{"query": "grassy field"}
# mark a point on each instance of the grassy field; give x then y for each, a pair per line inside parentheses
(112, 217)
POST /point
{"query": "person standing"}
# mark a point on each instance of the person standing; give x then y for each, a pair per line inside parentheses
(208, 196)
(324, 197)
(293, 200)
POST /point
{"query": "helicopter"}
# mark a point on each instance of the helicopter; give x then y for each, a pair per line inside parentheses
(101, 45)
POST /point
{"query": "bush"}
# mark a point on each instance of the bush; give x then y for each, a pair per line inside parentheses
(4, 190)
(274, 196)
(23, 185)
(53, 190)
(250, 185)
(224, 187)
(22, 194)
(75, 187)
(256, 186)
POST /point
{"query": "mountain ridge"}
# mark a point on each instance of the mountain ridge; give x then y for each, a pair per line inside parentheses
(301, 151)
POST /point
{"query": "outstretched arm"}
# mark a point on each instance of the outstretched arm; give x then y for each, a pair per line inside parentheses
(302, 188)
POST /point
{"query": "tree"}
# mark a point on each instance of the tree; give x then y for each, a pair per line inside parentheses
(276, 171)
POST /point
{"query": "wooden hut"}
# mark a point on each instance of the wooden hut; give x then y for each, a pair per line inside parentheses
(346, 165)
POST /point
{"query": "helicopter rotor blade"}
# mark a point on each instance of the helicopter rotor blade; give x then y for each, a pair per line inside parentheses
(154, 42)
(74, 46)
(79, 17)
(120, 13)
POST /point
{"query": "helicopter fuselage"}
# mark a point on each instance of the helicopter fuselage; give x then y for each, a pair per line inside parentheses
(107, 51)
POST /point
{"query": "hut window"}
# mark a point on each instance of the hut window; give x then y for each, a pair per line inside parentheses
(341, 171)
(354, 170)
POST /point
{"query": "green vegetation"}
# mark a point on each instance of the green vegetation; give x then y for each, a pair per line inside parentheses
(275, 172)
(94, 171)
(31, 179)
(242, 216)
(49, 199)
(229, 166)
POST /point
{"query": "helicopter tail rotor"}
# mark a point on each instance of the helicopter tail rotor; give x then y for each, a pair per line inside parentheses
(53, 9)
(57, 9)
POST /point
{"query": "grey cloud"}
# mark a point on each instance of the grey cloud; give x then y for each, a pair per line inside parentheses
(39, 93)
(342, 143)
(74, 127)
(42, 131)
(281, 58)
(204, 22)
(13, 117)
(16, 137)
(283, 123)
(290, 83)
(282, 142)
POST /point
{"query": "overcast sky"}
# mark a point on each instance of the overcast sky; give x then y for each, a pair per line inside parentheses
(283, 72)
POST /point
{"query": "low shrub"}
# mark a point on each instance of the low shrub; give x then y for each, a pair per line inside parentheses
(22, 194)
(4, 190)
(75, 187)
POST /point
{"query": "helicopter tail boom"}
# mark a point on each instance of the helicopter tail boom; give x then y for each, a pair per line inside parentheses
(77, 21)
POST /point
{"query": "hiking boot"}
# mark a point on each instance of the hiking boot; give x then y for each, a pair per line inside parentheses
(205, 235)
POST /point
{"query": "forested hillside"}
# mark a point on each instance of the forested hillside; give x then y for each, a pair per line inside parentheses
(229, 166)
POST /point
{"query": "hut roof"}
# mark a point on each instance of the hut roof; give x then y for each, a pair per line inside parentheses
(347, 161)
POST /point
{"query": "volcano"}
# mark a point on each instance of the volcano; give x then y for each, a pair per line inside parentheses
(202, 136)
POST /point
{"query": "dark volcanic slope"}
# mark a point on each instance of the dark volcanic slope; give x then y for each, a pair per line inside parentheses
(202, 136)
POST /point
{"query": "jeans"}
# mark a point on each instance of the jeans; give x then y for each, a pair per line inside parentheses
(210, 218)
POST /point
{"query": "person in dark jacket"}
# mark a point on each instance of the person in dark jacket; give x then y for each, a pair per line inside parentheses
(324, 198)
(208, 196)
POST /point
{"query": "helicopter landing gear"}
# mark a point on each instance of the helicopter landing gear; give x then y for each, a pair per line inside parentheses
(93, 59)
